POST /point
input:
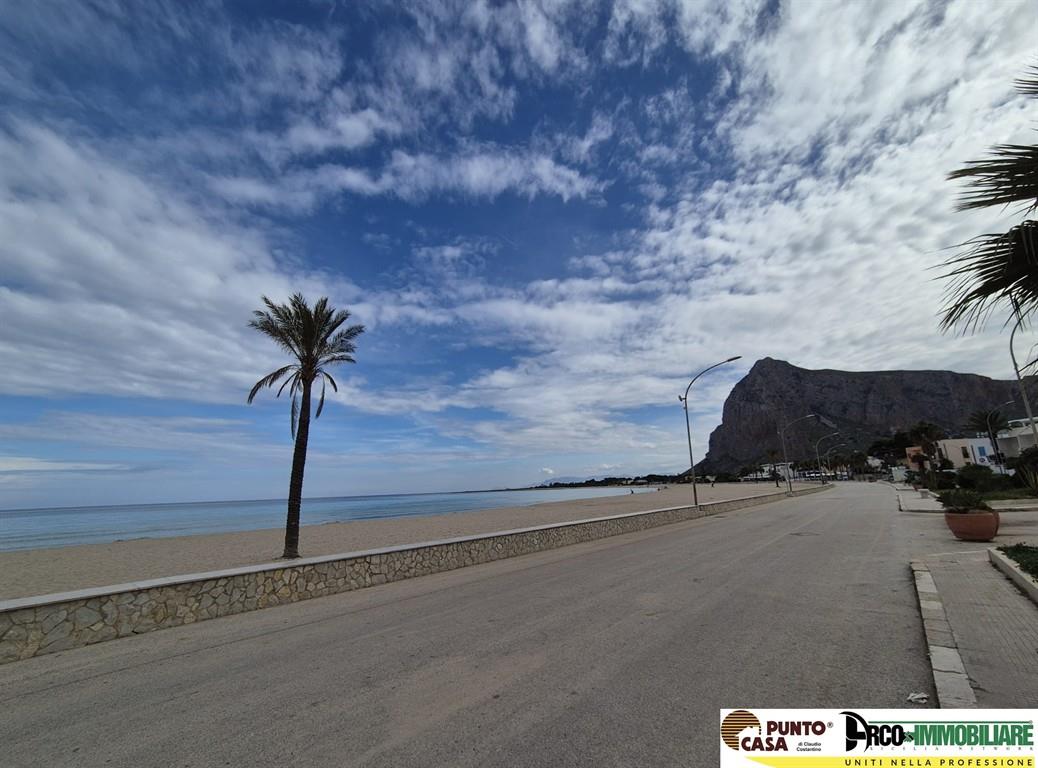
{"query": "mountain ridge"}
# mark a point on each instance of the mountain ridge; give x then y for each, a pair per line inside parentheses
(865, 406)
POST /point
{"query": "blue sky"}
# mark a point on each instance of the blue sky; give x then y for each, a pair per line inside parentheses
(548, 215)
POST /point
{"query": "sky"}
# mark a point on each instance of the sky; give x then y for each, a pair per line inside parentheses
(548, 215)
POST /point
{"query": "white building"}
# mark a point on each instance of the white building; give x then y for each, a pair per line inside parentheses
(1017, 439)
(968, 450)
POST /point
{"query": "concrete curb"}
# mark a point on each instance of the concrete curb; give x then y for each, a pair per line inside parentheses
(949, 674)
(1027, 584)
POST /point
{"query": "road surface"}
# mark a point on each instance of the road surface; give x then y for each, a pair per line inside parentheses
(613, 653)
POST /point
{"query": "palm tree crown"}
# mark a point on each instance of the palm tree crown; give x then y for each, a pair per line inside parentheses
(314, 337)
(987, 422)
(999, 269)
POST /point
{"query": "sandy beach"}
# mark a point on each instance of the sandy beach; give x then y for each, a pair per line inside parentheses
(42, 571)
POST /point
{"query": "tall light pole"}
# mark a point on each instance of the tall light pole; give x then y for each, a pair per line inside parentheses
(991, 435)
(688, 425)
(833, 448)
(1019, 379)
(785, 458)
(819, 442)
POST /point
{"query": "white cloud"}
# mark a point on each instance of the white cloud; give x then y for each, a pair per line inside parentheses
(811, 241)
(111, 283)
(475, 172)
(12, 464)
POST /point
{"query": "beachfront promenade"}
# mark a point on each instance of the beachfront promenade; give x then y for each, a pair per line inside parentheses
(613, 652)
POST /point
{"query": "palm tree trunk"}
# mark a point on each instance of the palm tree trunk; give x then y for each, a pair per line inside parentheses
(295, 485)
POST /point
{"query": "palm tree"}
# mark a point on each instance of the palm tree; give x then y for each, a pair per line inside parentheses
(316, 339)
(990, 423)
(926, 435)
(773, 454)
(999, 269)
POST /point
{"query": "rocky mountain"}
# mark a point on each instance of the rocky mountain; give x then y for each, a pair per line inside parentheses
(864, 406)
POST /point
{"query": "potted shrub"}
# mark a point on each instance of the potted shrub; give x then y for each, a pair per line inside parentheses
(968, 517)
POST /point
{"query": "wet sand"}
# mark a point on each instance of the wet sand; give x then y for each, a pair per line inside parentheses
(42, 571)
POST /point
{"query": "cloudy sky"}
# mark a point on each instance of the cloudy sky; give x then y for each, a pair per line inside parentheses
(547, 214)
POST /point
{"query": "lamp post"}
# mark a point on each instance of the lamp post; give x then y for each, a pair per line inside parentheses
(688, 425)
(817, 443)
(991, 435)
(1019, 379)
(785, 458)
(833, 448)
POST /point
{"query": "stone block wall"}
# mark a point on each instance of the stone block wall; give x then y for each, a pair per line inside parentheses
(48, 623)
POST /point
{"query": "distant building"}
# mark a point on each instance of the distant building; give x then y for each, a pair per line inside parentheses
(963, 451)
(765, 471)
(1017, 439)
(910, 453)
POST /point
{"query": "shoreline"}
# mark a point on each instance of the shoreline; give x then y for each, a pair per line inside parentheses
(28, 572)
(306, 499)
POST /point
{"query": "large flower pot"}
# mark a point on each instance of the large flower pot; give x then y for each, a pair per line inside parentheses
(973, 526)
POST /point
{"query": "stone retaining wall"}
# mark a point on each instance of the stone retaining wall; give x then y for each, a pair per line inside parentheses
(36, 625)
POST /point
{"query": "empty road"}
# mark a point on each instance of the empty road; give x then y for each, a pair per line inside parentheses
(613, 653)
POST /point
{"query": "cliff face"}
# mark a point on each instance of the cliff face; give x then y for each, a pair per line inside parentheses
(864, 406)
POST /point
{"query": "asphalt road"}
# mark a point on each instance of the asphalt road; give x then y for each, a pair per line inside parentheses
(614, 653)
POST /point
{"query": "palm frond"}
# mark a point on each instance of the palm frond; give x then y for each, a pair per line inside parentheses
(332, 324)
(1028, 84)
(268, 381)
(995, 270)
(331, 381)
(1009, 175)
(295, 414)
(320, 404)
(281, 332)
(294, 381)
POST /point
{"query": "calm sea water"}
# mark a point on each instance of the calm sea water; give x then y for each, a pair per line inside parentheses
(35, 528)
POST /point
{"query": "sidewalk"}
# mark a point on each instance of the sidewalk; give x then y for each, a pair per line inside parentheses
(994, 625)
(912, 500)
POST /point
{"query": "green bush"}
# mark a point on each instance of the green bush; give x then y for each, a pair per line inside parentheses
(975, 477)
(1026, 557)
(1029, 458)
(962, 501)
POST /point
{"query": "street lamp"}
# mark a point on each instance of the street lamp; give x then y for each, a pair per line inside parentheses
(1019, 379)
(991, 435)
(785, 458)
(817, 443)
(688, 425)
(833, 448)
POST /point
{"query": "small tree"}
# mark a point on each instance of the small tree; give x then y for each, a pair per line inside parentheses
(926, 436)
(989, 423)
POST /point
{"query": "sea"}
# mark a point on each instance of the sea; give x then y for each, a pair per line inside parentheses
(64, 526)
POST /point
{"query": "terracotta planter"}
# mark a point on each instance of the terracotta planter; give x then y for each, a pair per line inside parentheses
(973, 526)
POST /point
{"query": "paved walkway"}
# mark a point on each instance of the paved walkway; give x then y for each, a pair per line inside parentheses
(995, 627)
